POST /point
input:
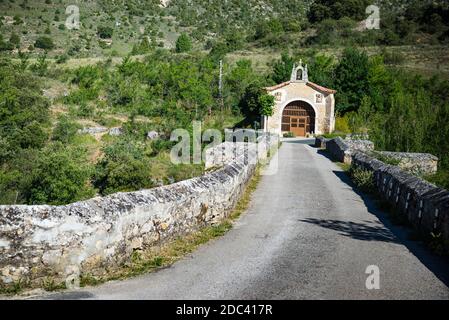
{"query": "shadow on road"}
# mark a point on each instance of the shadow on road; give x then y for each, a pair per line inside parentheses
(325, 154)
(355, 230)
(400, 234)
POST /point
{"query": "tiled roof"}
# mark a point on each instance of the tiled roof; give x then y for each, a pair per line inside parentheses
(310, 84)
(320, 88)
(278, 86)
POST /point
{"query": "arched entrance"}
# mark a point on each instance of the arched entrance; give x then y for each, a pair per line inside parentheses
(298, 117)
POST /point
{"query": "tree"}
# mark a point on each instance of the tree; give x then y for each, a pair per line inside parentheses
(124, 167)
(60, 177)
(255, 103)
(282, 68)
(105, 32)
(14, 40)
(336, 9)
(321, 70)
(266, 104)
(4, 46)
(65, 130)
(218, 51)
(183, 44)
(351, 79)
(44, 43)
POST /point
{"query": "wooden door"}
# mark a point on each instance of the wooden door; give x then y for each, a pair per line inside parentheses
(298, 117)
(298, 126)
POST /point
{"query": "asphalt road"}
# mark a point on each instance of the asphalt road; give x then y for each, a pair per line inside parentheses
(306, 235)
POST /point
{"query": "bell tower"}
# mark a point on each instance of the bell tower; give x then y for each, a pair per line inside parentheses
(300, 73)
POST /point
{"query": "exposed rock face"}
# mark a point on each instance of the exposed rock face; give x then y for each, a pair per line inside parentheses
(100, 233)
(424, 205)
(152, 135)
(116, 131)
(93, 130)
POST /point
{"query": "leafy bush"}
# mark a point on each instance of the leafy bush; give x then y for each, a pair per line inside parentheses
(183, 44)
(61, 176)
(441, 178)
(65, 130)
(363, 179)
(105, 32)
(124, 167)
(44, 43)
(342, 124)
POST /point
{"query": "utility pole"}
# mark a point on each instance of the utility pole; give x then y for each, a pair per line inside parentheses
(220, 85)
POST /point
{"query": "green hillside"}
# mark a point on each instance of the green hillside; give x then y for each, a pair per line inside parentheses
(139, 67)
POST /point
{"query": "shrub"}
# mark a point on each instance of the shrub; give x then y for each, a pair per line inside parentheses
(105, 32)
(65, 130)
(342, 124)
(124, 167)
(62, 59)
(44, 43)
(289, 135)
(183, 44)
(60, 177)
(363, 179)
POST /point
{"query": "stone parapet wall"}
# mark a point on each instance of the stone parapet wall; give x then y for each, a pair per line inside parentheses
(339, 150)
(424, 205)
(343, 149)
(320, 142)
(99, 234)
(416, 163)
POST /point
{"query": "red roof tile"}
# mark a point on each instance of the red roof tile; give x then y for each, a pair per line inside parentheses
(310, 84)
(278, 86)
(320, 88)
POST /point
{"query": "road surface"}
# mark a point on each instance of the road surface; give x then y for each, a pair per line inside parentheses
(307, 234)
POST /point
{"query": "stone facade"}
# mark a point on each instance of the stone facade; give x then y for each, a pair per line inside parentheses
(99, 234)
(299, 88)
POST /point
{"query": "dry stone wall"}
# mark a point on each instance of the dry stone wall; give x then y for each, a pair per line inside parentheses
(421, 203)
(101, 233)
(424, 205)
(416, 163)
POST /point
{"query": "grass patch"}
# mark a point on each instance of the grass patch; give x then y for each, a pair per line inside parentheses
(334, 135)
(13, 288)
(385, 159)
(344, 166)
(440, 179)
(363, 179)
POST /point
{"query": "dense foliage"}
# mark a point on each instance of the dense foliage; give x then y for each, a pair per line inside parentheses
(137, 25)
(45, 159)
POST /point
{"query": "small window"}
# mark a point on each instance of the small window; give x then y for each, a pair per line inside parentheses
(299, 74)
(278, 96)
(319, 98)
